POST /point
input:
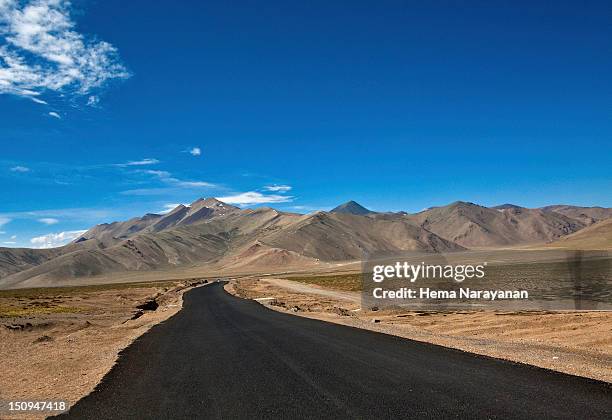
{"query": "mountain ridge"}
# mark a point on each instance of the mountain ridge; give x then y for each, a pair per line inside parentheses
(209, 232)
(473, 225)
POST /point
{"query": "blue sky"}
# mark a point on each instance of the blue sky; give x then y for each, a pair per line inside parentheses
(112, 109)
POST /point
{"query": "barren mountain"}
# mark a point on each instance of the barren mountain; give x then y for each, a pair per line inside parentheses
(507, 206)
(212, 234)
(343, 236)
(13, 260)
(595, 237)
(587, 215)
(112, 233)
(260, 237)
(200, 210)
(351, 207)
(472, 225)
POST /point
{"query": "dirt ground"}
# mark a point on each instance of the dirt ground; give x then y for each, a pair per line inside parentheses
(578, 343)
(58, 343)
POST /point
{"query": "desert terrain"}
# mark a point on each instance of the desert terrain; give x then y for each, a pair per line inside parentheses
(58, 343)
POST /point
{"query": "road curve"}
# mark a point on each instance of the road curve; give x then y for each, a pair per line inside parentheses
(224, 357)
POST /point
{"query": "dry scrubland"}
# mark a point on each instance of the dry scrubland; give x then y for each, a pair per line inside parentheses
(578, 343)
(58, 343)
(344, 282)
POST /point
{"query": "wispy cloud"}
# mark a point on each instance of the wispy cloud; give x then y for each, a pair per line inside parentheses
(74, 214)
(141, 162)
(192, 184)
(172, 184)
(55, 115)
(9, 243)
(21, 169)
(278, 188)
(41, 51)
(52, 240)
(167, 178)
(195, 151)
(169, 207)
(254, 197)
(157, 173)
(48, 220)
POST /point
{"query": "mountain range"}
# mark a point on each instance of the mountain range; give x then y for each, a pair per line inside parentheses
(210, 233)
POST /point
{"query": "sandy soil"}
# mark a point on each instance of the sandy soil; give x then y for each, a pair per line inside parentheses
(57, 344)
(578, 343)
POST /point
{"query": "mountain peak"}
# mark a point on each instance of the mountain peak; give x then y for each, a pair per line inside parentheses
(460, 203)
(351, 207)
(178, 208)
(507, 206)
(210, 202)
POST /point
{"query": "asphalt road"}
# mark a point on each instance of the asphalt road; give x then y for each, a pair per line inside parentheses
(224, 357)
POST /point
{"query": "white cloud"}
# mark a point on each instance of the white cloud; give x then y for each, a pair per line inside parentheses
(192, 184)
(157, 173)
(13, 237)
(167, 178)
(48, 220)
(141, 162)
(53, 240)
(39, 101)
(4, 220)
(172, 184)
(9, 243)
(169, 207)
(55, 115)
(41, 51)
(93, 100)
(196, 151)
(253, 197)
(20, 169)
(278, 188)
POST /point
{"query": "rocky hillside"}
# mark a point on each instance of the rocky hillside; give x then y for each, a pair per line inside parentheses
(471, 225)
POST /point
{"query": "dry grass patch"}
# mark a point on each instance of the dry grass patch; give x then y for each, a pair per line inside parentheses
(36, 308)
(59, 292)
(344, 282)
